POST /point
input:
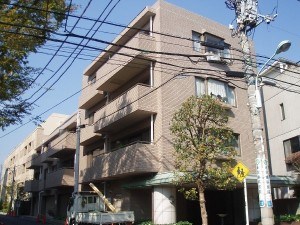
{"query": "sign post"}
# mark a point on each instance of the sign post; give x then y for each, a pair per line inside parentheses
(240, 171)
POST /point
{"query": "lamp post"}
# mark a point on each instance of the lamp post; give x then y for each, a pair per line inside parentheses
(263, 176)
(282, 47)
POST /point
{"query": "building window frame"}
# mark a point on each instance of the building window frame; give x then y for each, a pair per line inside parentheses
(291, 146)
(282, 111)
(216, 45)
(196, 37)
(213, 87)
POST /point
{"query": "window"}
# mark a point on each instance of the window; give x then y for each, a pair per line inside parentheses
(91, 118)
(226, 52)
(196, 41)
(282, 111)
(216, 46)
(200, 87)
(216, 89)
(236, 144)
(221, 91)
(291, 145)
(92, 79)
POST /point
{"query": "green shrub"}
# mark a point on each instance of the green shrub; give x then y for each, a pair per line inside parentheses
(183, 223)
(289, 218)
(146, 222)
(149, 222)
(297, 218)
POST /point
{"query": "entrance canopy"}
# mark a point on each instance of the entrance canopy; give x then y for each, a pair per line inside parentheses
(168, 178)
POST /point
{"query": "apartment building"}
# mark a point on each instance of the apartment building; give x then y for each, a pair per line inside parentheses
(52, 166)
(16, 164)
(130, 94)
(281, 103)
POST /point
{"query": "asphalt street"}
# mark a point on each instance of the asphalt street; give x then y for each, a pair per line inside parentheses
(22, 220)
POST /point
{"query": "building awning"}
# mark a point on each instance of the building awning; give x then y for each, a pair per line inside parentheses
(169, 177)
(158, 179)
(276, 181)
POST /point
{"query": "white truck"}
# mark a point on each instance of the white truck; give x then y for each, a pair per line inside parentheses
(88, 208)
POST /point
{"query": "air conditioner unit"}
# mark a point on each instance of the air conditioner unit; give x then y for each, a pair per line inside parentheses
(213, 58)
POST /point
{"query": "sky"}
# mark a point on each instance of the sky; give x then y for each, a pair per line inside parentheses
(67, 80)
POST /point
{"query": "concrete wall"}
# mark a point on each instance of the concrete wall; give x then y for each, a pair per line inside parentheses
(279, 129)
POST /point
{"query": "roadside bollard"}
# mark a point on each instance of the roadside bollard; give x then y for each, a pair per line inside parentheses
(44, 219)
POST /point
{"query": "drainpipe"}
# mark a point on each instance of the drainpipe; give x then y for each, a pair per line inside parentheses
(39, 202)
(151, 74)
(152, 129)
(151, 26)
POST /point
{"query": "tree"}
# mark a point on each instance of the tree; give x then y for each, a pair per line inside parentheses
(25, 25)
(294, 160)
(204, 154)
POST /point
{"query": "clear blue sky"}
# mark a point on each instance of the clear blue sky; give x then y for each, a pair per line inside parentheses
(266, 38)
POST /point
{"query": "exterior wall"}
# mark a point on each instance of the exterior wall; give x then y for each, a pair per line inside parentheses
(125, 108)
(19, 158)
(53, 122)
(182, 88)
(279, 129)
(46, 157)
(53, 167)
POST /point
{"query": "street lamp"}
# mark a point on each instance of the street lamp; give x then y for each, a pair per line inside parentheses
(282, 47)
(263, 176)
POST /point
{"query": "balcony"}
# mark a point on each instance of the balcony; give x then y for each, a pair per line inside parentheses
(138, 158)
(31, 186)
(60, 177)
(136, 104)
(90, 96)
(34, 161)
(121, 68)
(62, 146)
(88, 136)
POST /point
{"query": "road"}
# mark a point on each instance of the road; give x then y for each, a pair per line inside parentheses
(9, 220)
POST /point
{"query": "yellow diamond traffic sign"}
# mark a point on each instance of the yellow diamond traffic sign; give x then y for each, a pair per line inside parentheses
(240, 171)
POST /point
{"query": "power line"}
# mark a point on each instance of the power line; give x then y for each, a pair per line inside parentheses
(74, 51)
(59, 103)
(115, 24)
(61, 45)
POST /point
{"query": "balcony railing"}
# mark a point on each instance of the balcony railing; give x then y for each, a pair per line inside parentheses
(136, 104)
(90, 96)
(87, 135)
(62, 145)
(140, 46)
(31, 186)
(60, 177)
(34, 161)
(138, 158)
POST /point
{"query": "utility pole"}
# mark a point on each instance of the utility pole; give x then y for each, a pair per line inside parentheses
(248, 19)
(77, 154)
(12, 188)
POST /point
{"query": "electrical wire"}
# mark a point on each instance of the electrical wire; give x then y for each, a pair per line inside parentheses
(61, 45)
(83, 38)
(77, 92)
(67, 16)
